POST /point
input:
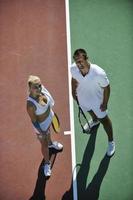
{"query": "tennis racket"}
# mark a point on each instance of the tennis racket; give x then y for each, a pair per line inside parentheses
(83, 119)
(56, 123)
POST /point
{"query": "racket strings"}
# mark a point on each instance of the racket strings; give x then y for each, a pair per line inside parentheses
(56, 124)
(83, 121)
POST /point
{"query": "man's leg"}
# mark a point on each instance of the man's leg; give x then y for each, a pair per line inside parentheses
(93, 122)
(92, 114)
(107, 124)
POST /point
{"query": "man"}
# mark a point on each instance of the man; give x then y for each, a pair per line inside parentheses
(91, 87)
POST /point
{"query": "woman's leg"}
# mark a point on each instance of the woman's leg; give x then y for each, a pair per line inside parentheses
(55, 145)
(44, 147)
(45, 151)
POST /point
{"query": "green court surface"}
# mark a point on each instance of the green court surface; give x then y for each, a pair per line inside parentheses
(105, 29)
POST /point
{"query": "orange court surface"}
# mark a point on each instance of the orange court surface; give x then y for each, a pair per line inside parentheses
(32, 41)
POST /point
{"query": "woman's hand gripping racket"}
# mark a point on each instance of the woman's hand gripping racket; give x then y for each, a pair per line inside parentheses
(56, 123)
(83, 119)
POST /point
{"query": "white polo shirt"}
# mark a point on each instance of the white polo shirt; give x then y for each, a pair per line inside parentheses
(90, 87)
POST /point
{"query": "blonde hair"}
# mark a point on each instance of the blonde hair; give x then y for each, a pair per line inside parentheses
(33, 79)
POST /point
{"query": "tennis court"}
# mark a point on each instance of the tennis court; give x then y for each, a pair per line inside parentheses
(33, 40)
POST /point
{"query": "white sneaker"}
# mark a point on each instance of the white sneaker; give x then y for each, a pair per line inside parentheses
(111, 149)
(56, 145)
(91, 125)
(47, 169)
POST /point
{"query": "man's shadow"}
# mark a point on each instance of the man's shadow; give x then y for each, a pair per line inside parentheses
(39, 191)
(93, 189)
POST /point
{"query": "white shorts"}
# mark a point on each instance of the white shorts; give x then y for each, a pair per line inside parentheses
(45, 124)
(100, 114)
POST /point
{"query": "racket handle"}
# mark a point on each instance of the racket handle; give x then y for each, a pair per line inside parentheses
(77, 100)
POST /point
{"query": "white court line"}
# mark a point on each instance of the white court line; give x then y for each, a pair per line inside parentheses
(71, 111)
(67, 132)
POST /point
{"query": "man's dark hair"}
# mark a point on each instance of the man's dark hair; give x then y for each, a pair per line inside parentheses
(79, 52)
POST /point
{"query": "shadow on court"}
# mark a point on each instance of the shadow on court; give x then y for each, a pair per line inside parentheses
(39, 191)
(93, 189)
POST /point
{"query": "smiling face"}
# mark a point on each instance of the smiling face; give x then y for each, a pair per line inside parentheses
(35, 87)
(82, 64)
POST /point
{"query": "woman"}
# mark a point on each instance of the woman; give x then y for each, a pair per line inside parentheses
(39, 108)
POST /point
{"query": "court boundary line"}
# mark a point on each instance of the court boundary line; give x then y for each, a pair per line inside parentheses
(71, 106)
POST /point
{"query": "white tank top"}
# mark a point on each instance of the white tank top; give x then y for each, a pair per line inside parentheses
(40, 109)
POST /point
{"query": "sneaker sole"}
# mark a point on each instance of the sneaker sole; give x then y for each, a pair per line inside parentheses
(111, 155)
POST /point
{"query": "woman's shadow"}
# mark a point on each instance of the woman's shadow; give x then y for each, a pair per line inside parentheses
(93, 189)
(39, 191)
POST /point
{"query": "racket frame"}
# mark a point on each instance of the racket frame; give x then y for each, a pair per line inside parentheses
(83, 114)
(53, 126)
